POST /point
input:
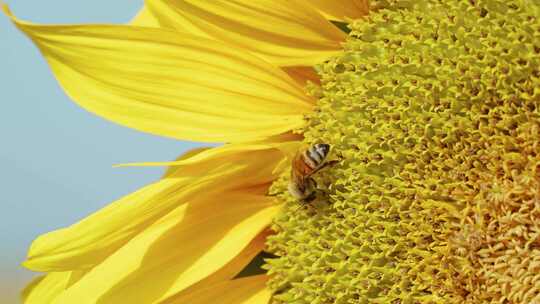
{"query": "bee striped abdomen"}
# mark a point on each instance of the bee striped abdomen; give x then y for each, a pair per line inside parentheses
(317, 154)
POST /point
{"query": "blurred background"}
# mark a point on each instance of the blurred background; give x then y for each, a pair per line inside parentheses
(55, 158)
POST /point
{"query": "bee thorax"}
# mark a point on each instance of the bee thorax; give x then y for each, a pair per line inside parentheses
(310, 160)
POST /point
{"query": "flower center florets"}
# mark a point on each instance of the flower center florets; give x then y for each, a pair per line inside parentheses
(434, 109)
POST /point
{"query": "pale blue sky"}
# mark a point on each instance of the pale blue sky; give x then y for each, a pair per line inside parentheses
(55, 158)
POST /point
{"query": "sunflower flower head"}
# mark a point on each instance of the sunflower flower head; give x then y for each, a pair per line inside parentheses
(433, 111)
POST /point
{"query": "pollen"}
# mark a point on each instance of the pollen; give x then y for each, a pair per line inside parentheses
(433, 112)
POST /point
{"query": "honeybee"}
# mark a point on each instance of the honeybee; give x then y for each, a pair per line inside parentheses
(304, 164)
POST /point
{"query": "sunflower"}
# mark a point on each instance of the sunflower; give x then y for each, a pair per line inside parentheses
(222, 71)
(432, 108)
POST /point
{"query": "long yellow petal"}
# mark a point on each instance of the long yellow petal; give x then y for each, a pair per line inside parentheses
(189, 244)
(341, 10)
(231, 269)
(208, 157)
(285, 32)
(181, 86)
(287, 145)
(88, 242)
(300, 74)
(249, 290)
(144, 18)
(44, 289)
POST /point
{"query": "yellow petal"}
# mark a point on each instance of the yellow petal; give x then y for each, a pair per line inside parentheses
(185, 246)
(172, 169)
(341, 9)
(88, 242)
(285, 32)
(91, 240)
(209, 157)
(44, 289)
(181, 86)
(144, 18)
(234, 267)
(301, 74)
(249, 290)
(287, 144)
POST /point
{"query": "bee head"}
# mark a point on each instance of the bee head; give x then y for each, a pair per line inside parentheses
(323, 149)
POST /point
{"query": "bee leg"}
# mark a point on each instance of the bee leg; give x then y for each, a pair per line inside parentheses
(332, 162)
(326, 164)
